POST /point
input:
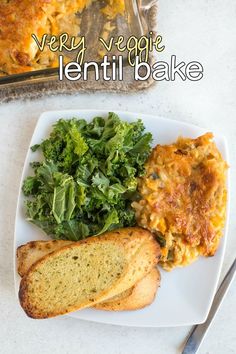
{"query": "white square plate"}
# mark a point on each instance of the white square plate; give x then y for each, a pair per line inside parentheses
(186, 293)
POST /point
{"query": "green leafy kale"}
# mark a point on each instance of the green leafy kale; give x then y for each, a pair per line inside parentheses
(88, 177)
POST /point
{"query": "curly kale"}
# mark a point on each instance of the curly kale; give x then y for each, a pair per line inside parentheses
(87, 179)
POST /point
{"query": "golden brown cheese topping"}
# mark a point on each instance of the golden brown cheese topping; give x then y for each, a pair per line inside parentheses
(184, 199)
(19, 19)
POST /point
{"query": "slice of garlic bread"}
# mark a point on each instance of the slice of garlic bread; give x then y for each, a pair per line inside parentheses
(84, 273)
(140, 295)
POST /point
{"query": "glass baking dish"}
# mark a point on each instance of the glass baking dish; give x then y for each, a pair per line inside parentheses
(135, 22)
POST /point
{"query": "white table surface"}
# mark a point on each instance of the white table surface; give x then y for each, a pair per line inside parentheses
(193, 30)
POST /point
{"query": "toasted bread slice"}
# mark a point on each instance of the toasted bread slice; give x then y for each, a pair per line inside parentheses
(32, 251)
(87, 272)
(140, 295)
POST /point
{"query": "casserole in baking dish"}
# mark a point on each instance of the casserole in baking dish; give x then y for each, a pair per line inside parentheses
(20, 19)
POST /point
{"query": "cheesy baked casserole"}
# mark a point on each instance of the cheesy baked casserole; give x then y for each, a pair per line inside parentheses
(19, 19)
(183, 199)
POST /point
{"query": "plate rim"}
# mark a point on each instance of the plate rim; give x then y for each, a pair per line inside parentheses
(44, 116)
